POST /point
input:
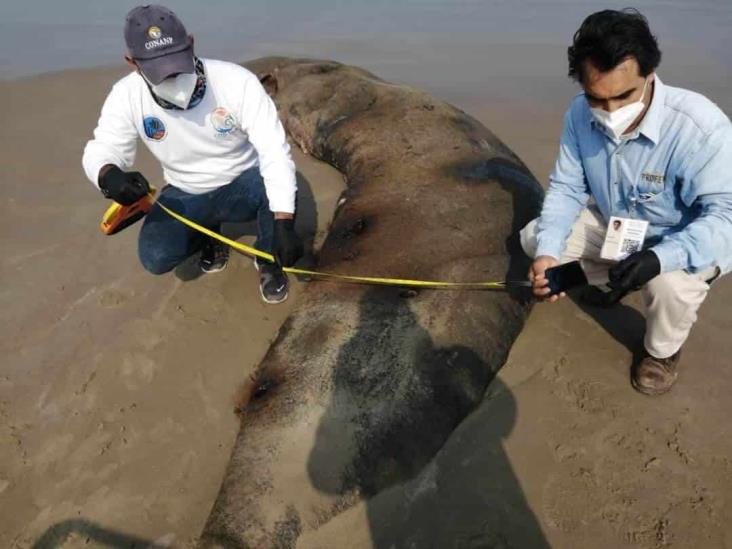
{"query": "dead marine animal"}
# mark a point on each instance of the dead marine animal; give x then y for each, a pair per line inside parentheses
(364, 385)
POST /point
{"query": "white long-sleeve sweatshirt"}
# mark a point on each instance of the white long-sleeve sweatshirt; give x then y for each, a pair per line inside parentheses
(234, 128)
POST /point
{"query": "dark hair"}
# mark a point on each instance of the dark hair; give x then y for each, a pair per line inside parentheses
(606, 38)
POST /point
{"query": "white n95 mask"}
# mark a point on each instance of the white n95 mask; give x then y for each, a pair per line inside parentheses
(619, 120)
(176, 89)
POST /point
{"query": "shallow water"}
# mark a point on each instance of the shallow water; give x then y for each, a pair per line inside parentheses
(503, 61)
(429, 40)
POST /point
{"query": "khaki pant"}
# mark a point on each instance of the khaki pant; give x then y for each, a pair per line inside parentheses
(671, 299)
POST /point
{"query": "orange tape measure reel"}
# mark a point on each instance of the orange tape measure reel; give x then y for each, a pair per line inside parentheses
(118, 217)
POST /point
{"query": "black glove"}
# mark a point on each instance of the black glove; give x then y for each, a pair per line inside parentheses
(634, 271)
(287, 245)
(123, 187)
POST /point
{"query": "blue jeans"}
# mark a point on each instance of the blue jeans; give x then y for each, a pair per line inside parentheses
(165, 242)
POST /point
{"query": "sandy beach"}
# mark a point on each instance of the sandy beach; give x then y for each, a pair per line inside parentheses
(117, 388)
(106, 368)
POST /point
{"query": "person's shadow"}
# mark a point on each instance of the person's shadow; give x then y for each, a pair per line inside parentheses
(623, 323)
(306, 226)
(468, 496)
(57, 536)
(396, 400)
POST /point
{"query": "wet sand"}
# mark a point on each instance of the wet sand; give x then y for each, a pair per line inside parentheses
(117, 387)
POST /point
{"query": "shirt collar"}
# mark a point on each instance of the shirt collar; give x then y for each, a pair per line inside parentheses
(650, 126)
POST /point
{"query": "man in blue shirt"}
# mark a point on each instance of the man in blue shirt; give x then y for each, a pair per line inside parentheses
(635, 148)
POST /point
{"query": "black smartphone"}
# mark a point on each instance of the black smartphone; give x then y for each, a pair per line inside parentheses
(565, 277)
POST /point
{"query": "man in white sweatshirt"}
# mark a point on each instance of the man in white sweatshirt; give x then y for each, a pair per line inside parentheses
(216, 133)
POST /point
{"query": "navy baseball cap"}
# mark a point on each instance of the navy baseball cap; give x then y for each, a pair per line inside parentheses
(157, 40)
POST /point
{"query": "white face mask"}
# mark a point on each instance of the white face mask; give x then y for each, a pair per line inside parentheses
(619, 120)
(177, 89)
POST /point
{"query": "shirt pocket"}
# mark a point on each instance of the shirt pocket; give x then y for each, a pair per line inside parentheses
(650, 184)
(657, 202)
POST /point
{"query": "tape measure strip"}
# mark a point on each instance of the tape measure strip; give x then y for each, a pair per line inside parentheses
(348, 278)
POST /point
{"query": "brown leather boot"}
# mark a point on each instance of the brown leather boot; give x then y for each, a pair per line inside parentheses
(655, 376)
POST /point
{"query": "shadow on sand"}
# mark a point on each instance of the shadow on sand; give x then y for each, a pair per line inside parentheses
(418, 437)
(622, 322)
(59, 534)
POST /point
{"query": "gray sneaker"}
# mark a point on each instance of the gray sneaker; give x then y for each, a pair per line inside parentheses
(273, 284)
(214, 256)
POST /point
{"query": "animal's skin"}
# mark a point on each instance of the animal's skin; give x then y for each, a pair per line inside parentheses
(364, 385)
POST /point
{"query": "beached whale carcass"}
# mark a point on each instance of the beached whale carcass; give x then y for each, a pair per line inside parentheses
(364, 384)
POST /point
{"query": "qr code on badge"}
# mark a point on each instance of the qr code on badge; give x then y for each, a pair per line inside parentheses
(629, 246)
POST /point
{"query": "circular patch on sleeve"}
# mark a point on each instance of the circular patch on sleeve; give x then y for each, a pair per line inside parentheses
(154, 128)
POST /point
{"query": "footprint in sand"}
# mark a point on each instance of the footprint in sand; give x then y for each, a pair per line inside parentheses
(114, 298)
(137, 369)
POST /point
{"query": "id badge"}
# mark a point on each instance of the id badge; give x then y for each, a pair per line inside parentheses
(623, 237)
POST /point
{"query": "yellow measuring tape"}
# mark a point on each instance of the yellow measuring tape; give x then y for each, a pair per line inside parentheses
(334, 276)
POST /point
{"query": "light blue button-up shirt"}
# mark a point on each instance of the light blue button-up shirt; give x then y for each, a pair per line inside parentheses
(674, 171)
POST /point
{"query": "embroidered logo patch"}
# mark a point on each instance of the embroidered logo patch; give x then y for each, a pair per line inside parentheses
(154, 128)
(154, 32)
(223, 121)
(157, 40)
(651, 177)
